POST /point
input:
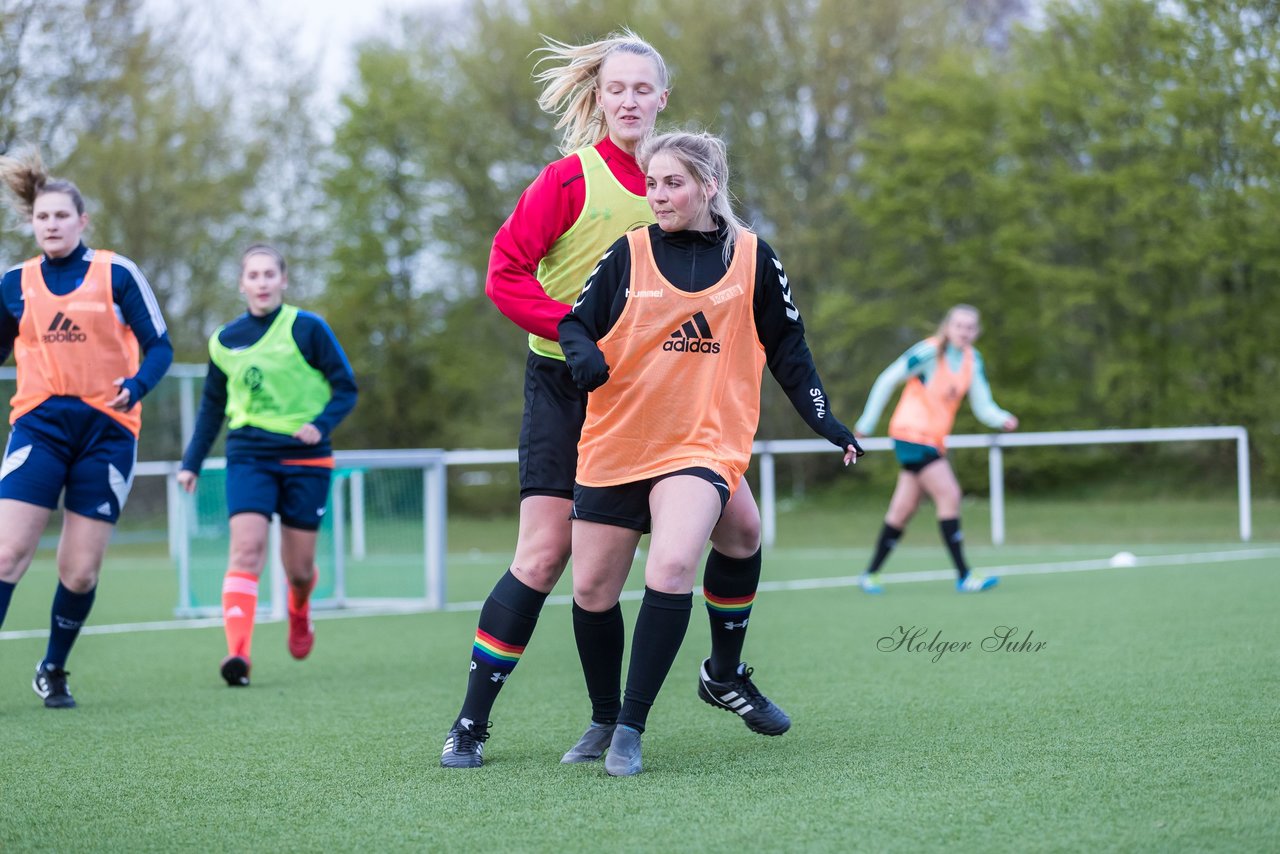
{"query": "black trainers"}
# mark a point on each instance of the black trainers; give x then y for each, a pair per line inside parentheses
(235, 669)
(592, 745)
(624, 753)
(51, 685)
(740, 695)
(464, 746)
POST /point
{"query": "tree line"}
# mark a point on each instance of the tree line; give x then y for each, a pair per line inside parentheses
(1098, 176)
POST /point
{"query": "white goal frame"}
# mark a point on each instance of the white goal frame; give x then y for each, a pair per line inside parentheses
(995, 443)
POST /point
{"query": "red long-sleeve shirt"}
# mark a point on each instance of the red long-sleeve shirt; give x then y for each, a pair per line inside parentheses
(546, 210)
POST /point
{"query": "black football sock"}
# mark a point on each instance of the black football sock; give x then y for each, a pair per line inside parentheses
(729, 587)
(601, 637)
(888, 539)
(507, 621)
(660, 629)
(954, 538)
(67, 615)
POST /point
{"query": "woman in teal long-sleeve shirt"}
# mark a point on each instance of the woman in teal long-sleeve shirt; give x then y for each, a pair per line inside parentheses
(938, 373)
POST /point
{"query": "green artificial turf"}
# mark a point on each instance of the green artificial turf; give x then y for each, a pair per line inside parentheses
(1146, 721)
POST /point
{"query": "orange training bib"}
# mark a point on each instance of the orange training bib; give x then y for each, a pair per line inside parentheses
(684, 386)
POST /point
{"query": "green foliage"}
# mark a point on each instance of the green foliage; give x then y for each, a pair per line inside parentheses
(183, 154)
(1100, 183)
(436, 366)
(1100, 192)
(441, 133)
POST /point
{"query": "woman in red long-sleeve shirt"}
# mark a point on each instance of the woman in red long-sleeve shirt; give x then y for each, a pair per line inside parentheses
(608, 95)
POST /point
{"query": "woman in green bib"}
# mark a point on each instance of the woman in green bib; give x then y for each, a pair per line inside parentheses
(279, 376)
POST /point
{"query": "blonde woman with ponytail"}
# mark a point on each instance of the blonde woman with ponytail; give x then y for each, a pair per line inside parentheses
(670, 336)
(938, 373)
(607, 95)
(75, 319)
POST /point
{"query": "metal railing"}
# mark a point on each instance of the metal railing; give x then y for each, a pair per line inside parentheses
(435, 463)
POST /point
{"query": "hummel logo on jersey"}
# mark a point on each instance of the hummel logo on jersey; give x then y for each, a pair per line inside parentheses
(63, 330)
(693, 336)
(591, 280)
(792, 311)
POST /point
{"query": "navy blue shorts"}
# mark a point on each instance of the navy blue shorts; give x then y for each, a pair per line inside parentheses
(73, 448)
(554, 411)
(627, 504)
(298, 493)
(913, 457)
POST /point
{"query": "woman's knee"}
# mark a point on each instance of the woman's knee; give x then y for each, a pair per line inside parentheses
(738, 533)
(14, 560)
(672, 574)
(248, 555)
(947, 501)
(541, 569)
(737, 543)
(300, 573)
(78, 569)
(79, 579)
(594, 592)
(900, 511)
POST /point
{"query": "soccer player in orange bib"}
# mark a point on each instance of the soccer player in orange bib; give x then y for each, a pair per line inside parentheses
(75, 319)
(670, 336)
(606, 94)
(938, 373)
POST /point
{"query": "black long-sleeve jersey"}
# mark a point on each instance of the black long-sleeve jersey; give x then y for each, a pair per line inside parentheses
(694, 261)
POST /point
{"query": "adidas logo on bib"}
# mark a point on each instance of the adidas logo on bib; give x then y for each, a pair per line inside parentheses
(693, 336)
(63, 330)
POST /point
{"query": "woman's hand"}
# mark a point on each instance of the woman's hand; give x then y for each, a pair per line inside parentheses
(123, 399)
(589, 371)
(187, 480)
(308, 434)
(852, 450)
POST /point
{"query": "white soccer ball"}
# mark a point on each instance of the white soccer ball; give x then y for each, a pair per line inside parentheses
(1123, 559)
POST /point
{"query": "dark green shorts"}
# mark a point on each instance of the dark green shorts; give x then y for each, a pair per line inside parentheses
(913, 457)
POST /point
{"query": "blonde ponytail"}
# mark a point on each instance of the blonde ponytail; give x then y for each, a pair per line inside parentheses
(569, 84)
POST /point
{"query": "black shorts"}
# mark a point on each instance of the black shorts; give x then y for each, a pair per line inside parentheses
(554, 411)
(627, 504)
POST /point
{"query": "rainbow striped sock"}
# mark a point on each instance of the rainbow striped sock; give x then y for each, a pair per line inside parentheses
(731, 611)
(500, 656)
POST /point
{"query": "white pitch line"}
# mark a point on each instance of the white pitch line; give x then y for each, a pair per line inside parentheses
(1030, 569)
(765, 586)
